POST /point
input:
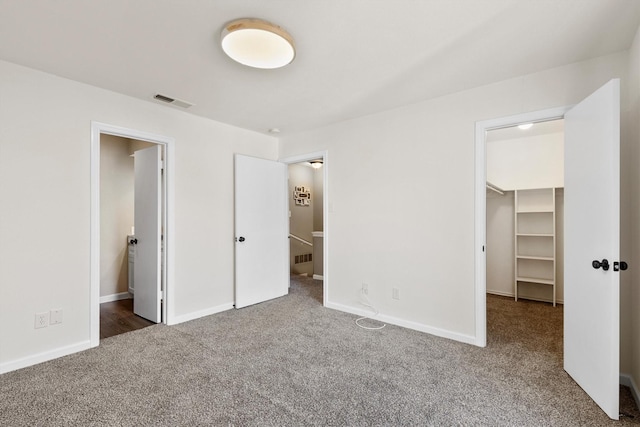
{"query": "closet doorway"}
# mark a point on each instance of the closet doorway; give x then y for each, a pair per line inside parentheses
(524, 212)
(591, 341)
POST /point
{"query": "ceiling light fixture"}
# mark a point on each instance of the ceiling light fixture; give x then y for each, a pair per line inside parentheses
(525, 126)
(257, 43)
(316, 164)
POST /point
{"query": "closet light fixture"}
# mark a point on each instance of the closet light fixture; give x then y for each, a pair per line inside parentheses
(316, 164)
(257, 43)
(525, 126)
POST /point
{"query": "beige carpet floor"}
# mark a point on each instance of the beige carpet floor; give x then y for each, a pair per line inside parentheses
(292, 362)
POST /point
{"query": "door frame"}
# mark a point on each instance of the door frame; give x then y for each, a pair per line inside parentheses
(481, 204)
(168, 143)
(325, 211)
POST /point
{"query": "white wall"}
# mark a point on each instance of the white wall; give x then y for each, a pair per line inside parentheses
(500, 242)
(45, 125)
(527, 163)
(301, 219)
(415, 180)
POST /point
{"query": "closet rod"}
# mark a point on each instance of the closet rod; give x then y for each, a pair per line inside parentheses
(495, 188)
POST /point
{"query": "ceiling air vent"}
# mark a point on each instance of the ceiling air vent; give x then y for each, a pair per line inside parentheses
(173, 101)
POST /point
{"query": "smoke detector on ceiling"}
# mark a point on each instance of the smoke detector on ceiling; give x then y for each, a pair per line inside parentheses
(172, 101)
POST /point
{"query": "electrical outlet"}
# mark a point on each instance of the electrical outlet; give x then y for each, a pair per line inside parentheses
(395, 293)
(365, 288)
(55, 316)
(42, 320)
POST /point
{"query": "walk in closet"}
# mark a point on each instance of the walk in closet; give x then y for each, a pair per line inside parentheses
(525, 212)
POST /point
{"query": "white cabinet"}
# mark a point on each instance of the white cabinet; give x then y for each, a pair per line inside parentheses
(535, 238)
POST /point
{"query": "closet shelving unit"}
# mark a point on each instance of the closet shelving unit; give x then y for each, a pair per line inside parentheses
(535, 238)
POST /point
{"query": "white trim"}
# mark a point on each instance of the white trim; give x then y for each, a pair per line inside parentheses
(43, 357)
(115, 297)
(318, 277)
(627, 380)
(512, 295)
(481, 205)
(325, 211)
(501, 294)
(468, 339)
(98, 128)
(201, 313)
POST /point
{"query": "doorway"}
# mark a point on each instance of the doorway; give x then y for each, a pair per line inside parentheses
(306, 226)
(481, 201)
(165, 222)
(316, 213)
(524, 211)
(120, 197)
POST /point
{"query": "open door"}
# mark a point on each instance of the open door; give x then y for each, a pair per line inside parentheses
(262, 246)
(592, 233)
(147, 221)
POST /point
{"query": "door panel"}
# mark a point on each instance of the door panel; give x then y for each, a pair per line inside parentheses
(592, 232)
(262, 246)
(147, 274)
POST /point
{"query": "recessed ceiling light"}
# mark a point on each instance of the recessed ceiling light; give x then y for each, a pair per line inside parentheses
(257, 43)
(525, 126)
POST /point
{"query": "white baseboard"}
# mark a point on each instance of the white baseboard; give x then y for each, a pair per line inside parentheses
(627, 380)
(174, 320)
(512, 295)
(131, 291)
(318, 277)
(115, 297)
(43, 357)
(500, 293)
(405, 323)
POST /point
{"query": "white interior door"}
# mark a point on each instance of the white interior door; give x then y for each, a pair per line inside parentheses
(147, 273)
(262, 245)
(592, 232)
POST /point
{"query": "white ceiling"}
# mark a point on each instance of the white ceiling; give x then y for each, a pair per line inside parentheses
(354, 57)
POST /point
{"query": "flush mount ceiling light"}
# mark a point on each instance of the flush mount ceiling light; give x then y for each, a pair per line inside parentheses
(316, 164)
(257, 43)
(525, 126)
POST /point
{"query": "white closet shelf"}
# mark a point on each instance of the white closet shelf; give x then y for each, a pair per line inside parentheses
(540, 258)
(535, 231)
(532, 211)
(536, 280)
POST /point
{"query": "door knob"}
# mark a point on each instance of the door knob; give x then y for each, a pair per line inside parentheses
(241, 239)
(604, 264)
(620, 266)
(133, 241)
